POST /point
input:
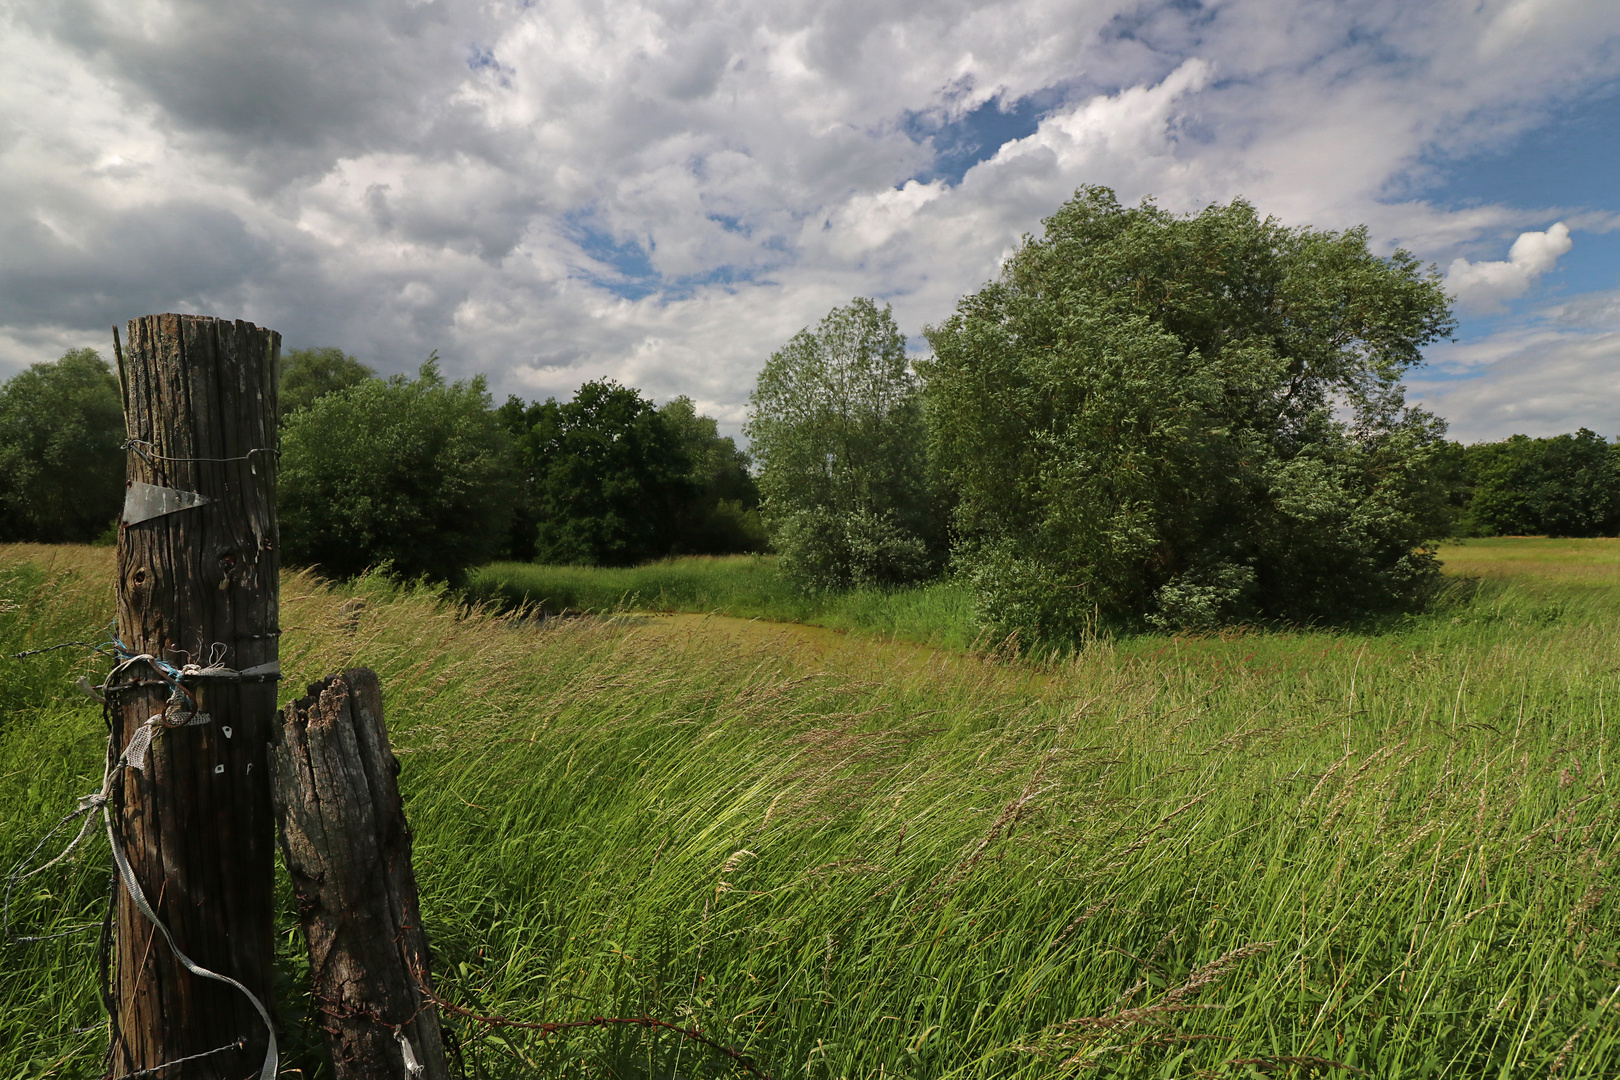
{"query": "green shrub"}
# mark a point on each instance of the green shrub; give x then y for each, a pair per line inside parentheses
(824, 549)
(837, 427)
(61, 432)
(412, 473)
(1568, 485)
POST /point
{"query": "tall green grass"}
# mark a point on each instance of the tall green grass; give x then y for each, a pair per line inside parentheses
(1253, 854)
(742, 586)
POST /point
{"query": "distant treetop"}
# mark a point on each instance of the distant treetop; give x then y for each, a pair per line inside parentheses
(310, 374)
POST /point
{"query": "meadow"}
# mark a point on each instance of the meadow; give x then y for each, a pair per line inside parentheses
(856, 854)
(740, 586)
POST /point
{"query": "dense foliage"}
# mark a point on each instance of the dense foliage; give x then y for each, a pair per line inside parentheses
(415, 473)
(61, 466)
(1189, 421)
(1568, 485)
(722, 516)
(422, 475)
(608, 477)
(310, 374)
(837, 427)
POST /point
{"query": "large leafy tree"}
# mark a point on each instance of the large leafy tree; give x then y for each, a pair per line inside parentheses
(412, 472)
(609, 478)
(61, 429)
(837, 428)
(1189, 421)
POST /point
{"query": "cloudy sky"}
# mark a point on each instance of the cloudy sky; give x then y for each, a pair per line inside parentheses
(664, 192)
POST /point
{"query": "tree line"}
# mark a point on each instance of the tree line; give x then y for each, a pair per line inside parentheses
(423, 475)
(1180, 421)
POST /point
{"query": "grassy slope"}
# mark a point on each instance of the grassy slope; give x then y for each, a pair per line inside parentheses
(856, 858)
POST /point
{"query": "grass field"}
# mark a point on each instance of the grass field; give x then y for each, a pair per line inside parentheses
(1259, 854)
(749, 587)
(1576, 562)
(742, 586)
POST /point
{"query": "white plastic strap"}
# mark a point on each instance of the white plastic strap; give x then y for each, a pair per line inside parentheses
(135, 752)
(412, 1066)
(272, 1057)
(141, 741)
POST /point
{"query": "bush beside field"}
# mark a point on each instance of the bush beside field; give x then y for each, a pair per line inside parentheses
(1167, 856)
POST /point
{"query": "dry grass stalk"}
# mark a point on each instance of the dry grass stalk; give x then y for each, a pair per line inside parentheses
(1079, 1040)
(1215, 971)
(1583, 907)
(1084, 917)
(1147, 838)
(1010, 814)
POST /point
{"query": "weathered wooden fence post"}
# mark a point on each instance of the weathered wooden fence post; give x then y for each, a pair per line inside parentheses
(198, 581)
(348, 849)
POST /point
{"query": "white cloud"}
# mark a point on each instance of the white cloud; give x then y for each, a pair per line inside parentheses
(1485, 286)
(1540, 384)
(1551, 371)
(664, 192)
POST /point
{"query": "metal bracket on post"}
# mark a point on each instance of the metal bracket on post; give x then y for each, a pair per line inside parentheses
(143, 502)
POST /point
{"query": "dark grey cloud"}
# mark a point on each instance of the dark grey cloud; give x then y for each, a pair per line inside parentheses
(102, 265)
(282, 87)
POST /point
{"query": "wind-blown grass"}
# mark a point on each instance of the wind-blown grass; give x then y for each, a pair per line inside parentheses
(1278, 853)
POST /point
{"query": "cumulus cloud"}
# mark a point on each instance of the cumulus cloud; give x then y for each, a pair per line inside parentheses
(664, 193)
(1485, 286)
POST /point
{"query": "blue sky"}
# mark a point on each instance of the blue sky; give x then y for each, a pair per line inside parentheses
(1569, 163)
(1561, 167)
(664, 192)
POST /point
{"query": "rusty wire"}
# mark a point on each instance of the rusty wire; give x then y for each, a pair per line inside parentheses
(553, 1026)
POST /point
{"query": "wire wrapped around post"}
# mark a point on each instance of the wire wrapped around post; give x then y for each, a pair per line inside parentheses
(198, 582)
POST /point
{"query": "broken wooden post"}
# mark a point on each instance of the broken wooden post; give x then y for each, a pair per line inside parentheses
(348, 849)
(198, 581)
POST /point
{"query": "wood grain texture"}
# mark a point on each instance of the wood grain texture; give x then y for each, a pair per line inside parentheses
(196, 586)
(348, 848)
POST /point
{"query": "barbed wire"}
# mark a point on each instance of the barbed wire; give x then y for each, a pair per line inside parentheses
(150, 1070)
(133, 756)
(104, 649)
(551, 1027)
(146, 450)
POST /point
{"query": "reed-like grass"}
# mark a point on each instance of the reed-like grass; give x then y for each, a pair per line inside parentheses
(1254, 854)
